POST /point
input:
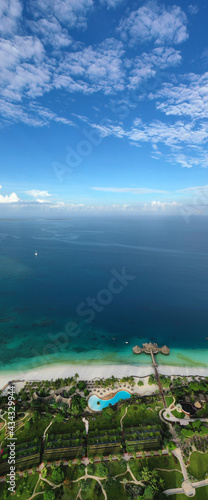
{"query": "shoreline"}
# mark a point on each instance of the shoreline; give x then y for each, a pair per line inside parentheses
(89, 372)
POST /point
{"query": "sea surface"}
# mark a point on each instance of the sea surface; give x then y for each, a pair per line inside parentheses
(98, 286)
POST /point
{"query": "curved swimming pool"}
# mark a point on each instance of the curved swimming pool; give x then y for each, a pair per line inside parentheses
(97, 404)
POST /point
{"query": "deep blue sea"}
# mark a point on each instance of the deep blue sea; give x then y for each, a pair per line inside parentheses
(72, 301)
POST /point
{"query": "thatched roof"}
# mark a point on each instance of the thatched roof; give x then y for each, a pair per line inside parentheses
(197, 404)
(150, 347)
(137, 349)
(165, 350)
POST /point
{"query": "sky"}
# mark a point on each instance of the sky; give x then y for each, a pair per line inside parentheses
(103, 107)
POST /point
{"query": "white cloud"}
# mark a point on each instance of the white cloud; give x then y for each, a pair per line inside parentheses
(146, 65)
(128, 190)
(51, 32)
(29, 68)
(71, 13)
(194, 188)
(111, 3)
(93, 69)
(185, 143)
(37, 193)
(163, 204)
(9, 198)
(31, 114)
(10, 12)
(154, 22)
(170, 134)
(188, 161)
(193, 9)
(23, 69)
(68, 206)
(188, 99)
(159, 206)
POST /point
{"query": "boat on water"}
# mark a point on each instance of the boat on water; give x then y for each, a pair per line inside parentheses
(36, 253)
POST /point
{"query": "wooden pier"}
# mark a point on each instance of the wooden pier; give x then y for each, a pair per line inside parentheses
(153, 349)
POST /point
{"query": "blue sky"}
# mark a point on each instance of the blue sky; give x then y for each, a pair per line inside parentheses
(103, 107)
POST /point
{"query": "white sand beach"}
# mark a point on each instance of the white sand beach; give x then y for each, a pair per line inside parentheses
(89, 372)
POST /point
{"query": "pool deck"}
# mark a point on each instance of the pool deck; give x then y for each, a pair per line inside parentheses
(105, 393)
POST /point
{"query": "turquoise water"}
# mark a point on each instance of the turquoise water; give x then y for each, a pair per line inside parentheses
(71, 303)
(94, 400)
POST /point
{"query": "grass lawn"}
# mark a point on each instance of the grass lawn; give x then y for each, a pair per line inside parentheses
(169, 400)
(198, 464)
(100, 422)
(36, 430)
(74, 472)
(201, 494)
(114, 490)
(71, 426)
(92, 490)
(139, 414)
(172, 479)
(23, 492)
(178, 414)
(115, 468)
(164, 462)
(136, 466)
(73, 492)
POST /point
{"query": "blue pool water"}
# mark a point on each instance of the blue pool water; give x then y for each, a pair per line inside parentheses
(94, 400)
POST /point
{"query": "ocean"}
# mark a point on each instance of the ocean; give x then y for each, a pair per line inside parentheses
(100, 285)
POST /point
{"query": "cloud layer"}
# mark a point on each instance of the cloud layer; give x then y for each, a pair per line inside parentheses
(45, 52)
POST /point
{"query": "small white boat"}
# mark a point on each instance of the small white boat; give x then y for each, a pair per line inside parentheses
(126, 342)
(36, 253)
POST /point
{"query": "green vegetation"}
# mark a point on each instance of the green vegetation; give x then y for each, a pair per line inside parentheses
(66, 439)
(142, 438)
(203, 413)
(171, 479)
(143, 413)
(198, 465)
(165, 381)
(178, 414)
(104, 442)
(35, 430)
(169, 400)
(152, 380)
(24, 488)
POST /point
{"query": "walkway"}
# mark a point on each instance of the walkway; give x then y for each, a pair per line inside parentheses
(198, 484)
(178, 455)
(121, 421)
(45, 431)
(86, 422)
